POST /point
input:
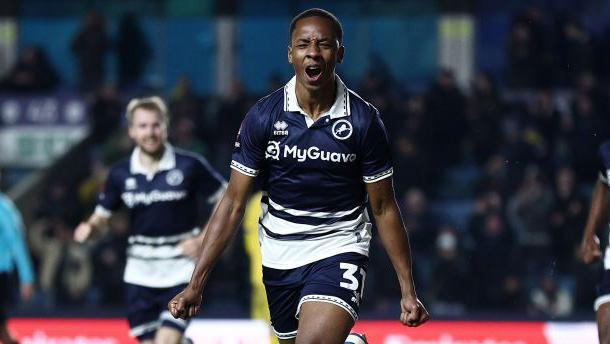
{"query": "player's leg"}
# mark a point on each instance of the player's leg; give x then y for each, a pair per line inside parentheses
(168, 335)
(331, 298)
(602, 307)
(142, 313)
(603, 323)
(171, 330)
(322, 322)
(283, 289)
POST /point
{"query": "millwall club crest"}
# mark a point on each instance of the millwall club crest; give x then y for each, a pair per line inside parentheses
(342, 129)
(174, 177)
(280, 128)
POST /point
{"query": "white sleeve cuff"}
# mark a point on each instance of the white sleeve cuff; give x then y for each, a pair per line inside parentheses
(244, 169)
(101, 211)
(379, 176)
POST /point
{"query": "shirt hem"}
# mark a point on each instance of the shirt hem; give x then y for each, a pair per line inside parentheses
(298, 264)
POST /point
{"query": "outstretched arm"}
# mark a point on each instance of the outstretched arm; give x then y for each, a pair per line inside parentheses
(589, 247)
(396, 243)
(94, 224)
(220, 229)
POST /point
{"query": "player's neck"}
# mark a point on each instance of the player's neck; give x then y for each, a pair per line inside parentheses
(316, 102)
(151, 161)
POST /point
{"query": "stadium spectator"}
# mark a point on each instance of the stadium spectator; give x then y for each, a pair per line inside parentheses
(409, 147)
(567, 213)
(449, 270)
(105, 113)
(90, 46)
(527, 213)
(445, 112)
(590, 128)
(31, 73)
(550, 299)
(183, 136)
(423, 230)
(529, 63)
(575, 52)
(133, 51)
(484, 114)
(109, 256)
(65, 268)
(13, 252)
(493, 248)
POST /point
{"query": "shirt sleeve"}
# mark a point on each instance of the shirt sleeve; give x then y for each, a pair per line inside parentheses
(109, 199)
(14, 229)
(208, 181)
(376, 157)
(251, 144)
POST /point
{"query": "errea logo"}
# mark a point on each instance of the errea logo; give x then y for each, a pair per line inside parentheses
(280, 128)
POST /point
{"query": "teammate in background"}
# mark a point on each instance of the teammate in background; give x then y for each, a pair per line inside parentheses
(322, 150)
(13, 251)
(589, 248)
(159, 184)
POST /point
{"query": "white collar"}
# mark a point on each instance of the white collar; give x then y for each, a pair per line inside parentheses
(340, 107)
(167, 162)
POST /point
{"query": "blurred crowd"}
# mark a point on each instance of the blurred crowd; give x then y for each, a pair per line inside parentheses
(494, 179)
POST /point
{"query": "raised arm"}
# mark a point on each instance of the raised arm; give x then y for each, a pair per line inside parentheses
(220, 229)
(396, 243)
(598, 213)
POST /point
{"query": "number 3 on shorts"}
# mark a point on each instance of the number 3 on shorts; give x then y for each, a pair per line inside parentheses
(350, 270)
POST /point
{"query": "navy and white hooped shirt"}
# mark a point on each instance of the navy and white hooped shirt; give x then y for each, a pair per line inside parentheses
(163, 212)
(314, 174)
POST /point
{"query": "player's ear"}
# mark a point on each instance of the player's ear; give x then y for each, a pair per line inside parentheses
(130, 132)
(290, 54)
(340, 53)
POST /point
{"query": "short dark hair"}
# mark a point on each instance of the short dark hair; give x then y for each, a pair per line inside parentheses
(318, 12)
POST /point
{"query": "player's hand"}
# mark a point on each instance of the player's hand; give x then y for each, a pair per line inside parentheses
(27, 291)
(191, 247)
(413, 313)
(186, 304)
(82, 232)
(589, 249)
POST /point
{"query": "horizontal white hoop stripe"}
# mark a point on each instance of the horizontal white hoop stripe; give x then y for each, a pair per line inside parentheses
(318, 214)
(284, 227)
(162, 240)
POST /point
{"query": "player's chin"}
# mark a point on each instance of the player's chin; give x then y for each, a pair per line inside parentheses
(151, 149)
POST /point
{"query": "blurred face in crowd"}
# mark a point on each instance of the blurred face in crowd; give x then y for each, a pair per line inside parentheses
(314, 52)
(148, 130)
